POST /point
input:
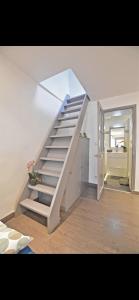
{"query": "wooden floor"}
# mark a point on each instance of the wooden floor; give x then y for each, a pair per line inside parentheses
(108, 226)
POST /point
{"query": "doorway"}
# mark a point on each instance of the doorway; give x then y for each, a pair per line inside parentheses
(119, 148)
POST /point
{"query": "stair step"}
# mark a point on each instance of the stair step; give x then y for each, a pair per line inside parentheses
(56, 147)
(36, 207)
(52, 159)
(60, 136)
(68, 111)
(53, 173)
(65, 126)
(49, 190)
(74, 104)
(68, 118)
(76, 99)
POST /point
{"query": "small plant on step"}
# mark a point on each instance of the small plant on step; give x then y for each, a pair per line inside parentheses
(33, 177)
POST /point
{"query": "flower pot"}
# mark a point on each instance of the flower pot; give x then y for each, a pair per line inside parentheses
(33, 181)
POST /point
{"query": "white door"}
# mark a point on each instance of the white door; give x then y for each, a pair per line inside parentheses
(100, 155)
(130, 153)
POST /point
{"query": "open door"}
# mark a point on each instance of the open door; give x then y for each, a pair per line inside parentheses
(100, 155)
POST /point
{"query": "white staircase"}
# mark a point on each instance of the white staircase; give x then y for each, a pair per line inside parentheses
(53, 165)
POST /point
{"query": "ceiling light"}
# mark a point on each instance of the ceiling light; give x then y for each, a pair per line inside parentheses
(117, 114)
(117, 125)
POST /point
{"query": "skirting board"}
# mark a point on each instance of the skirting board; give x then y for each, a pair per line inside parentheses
(8, 217)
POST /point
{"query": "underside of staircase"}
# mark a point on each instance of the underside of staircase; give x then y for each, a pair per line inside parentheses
(54, 163)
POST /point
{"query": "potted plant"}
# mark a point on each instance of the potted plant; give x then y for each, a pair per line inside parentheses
(33, 177)
(124, 149)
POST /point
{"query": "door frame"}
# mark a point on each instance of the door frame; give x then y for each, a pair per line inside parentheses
(134, 126)
(99, 107)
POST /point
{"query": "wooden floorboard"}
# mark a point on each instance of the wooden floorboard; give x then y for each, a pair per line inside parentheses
(110, 225)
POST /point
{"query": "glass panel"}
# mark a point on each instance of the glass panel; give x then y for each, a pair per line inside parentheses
(112, 142)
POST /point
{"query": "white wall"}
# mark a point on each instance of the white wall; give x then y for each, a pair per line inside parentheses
(75, 88)
(58, 84)
(90, 128)
(26, 115)
(64, 83)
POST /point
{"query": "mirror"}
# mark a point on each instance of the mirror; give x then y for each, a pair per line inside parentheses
(117, 137)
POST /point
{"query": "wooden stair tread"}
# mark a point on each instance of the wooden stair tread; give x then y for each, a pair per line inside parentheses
(75, 99)
(74, 104)
(36, 207)
(65, 126)
(68, 118)
(68, 111)
(55, 173)
(60, 136)
(56, 147)
(49, 190)
(52, 159)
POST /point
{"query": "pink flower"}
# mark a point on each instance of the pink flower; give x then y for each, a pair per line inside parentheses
(30, 165)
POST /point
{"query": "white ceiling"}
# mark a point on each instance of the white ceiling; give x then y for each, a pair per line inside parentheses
(103, 71)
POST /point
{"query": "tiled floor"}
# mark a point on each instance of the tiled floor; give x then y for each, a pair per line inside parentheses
(114, 183)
